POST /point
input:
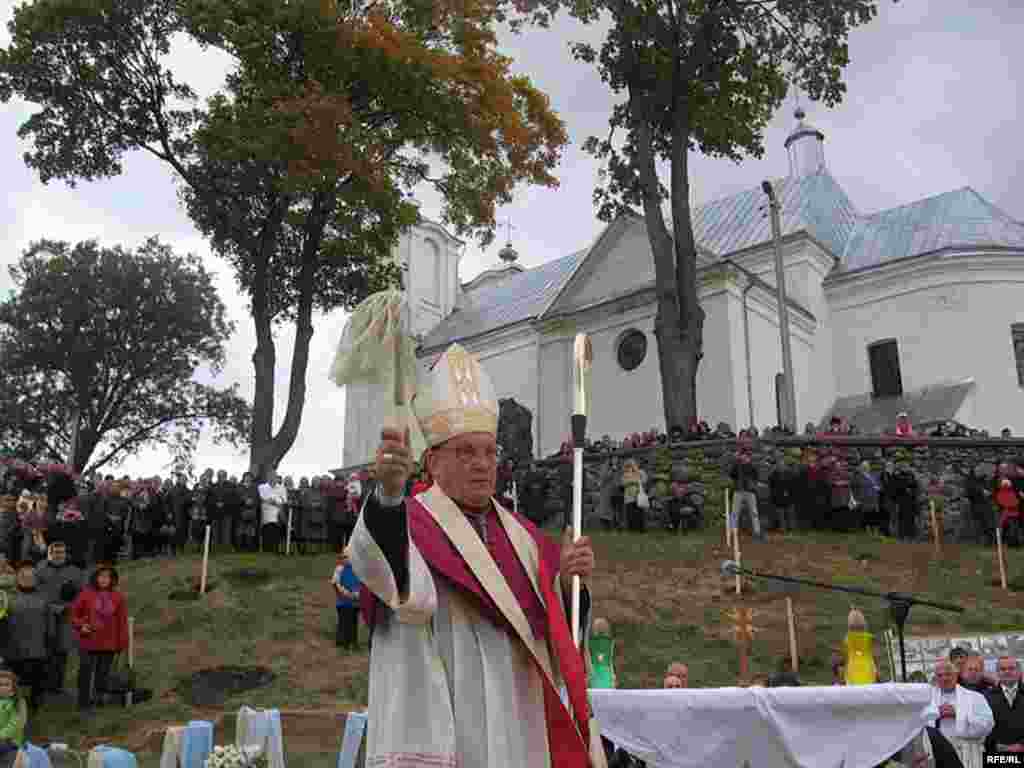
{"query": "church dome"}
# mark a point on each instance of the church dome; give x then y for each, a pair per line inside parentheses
(805, 146)
(508, 254)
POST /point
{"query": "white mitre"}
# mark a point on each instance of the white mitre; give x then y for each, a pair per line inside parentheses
(455, 397)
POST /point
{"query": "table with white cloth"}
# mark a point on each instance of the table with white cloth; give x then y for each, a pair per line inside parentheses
(802, 727)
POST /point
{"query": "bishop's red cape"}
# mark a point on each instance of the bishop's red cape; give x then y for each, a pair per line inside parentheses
(568, 734)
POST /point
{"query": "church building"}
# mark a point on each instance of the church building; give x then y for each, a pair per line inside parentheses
(919, 308)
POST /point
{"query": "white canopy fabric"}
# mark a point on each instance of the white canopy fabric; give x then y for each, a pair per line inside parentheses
(807, 727)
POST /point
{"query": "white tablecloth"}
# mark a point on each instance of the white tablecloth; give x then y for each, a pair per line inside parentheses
(807, 727)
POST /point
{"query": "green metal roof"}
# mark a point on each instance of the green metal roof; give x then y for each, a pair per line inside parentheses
(815, 204)
(958, 219)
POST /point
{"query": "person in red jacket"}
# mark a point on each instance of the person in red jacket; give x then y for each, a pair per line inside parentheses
(99, 617)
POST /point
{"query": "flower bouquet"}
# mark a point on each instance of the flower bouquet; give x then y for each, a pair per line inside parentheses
(235, 757)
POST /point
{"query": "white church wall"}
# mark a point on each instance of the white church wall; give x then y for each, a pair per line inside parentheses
(623, 401)
(512, 367)
(766, 363)
(806, 266)
(717, 372)
(431, 256)
(366, 408)
(621, 262)
(951, 320)
(556, 357)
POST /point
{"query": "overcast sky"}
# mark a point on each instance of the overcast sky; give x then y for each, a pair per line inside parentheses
(933, 104)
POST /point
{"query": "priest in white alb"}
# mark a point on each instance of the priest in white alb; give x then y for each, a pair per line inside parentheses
(965, 718)
(466, 602)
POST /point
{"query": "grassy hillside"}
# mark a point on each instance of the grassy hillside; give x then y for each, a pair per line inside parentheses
(662, 592)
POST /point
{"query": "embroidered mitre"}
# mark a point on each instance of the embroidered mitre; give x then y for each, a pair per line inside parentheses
(457, 397)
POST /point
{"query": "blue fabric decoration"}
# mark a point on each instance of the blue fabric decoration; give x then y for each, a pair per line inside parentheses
(196, 743)
(116, 758)
(355, 725)
(37, 757)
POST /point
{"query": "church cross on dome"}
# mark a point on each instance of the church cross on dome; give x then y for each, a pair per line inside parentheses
(508, 254)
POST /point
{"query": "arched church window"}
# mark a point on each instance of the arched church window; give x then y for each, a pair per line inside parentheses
(433, 281)
(632, 349)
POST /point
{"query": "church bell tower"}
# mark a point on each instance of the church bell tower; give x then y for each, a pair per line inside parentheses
(805, 146)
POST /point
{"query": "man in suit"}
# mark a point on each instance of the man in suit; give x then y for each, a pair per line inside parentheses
(1007, 708)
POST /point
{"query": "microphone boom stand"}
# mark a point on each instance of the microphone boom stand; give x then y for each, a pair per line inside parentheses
(899, 603)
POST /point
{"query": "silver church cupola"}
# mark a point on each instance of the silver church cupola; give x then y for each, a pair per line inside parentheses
(805, 146)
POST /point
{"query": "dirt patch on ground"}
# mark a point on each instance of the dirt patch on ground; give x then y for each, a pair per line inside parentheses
(212, 687)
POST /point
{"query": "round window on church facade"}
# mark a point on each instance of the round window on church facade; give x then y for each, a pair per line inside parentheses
(632, 349)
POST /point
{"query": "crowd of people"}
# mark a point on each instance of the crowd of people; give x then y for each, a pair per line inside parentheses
(102, 519)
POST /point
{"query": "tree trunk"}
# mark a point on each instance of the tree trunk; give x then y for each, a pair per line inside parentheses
(263, 362)
(691, 314)
(285, 437)
(677, 350)
(268, 452)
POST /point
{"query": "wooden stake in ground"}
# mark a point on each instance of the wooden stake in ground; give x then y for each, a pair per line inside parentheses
(736, 555)
(936, 533)
(728, 525)
(743, 630)
(999, 555)
(288, 535)
(792, 635)
(131, 642)
(206, 560)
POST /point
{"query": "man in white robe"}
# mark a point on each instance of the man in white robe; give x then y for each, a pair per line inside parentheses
(965, 718)
(464, 600)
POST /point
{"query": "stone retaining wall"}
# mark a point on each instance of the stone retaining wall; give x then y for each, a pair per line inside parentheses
(940, 464)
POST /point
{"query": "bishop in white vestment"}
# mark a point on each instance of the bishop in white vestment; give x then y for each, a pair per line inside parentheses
(965, 718)
(470, 642)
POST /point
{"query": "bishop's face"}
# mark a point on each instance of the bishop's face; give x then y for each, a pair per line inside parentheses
(466, 468)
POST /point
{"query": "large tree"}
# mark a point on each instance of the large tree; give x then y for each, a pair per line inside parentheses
(300, 169)
(109, 340)
(703, 75)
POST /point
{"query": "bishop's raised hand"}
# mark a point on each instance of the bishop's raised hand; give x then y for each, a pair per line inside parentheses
(394, 462)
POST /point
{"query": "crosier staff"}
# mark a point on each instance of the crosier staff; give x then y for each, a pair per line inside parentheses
(583, 355)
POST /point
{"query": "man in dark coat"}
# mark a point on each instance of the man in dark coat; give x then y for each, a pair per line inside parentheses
(535, 487)
(27, 623)
(905, 492)
(216, 504)
(180, 502)
(781, 484)
(93, 508)
(1007, 708)
(59, 582)
(979, 495)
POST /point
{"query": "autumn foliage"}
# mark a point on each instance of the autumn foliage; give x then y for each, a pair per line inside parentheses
(301, 169)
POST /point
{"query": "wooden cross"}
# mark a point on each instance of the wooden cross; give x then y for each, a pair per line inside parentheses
(743, 630)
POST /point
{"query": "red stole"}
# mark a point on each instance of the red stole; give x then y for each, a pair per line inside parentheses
(568, 741)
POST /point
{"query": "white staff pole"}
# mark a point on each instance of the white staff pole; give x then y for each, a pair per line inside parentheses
(583, 355)
(515, 497)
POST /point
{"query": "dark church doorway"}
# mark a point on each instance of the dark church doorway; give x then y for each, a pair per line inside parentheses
(884, 359)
